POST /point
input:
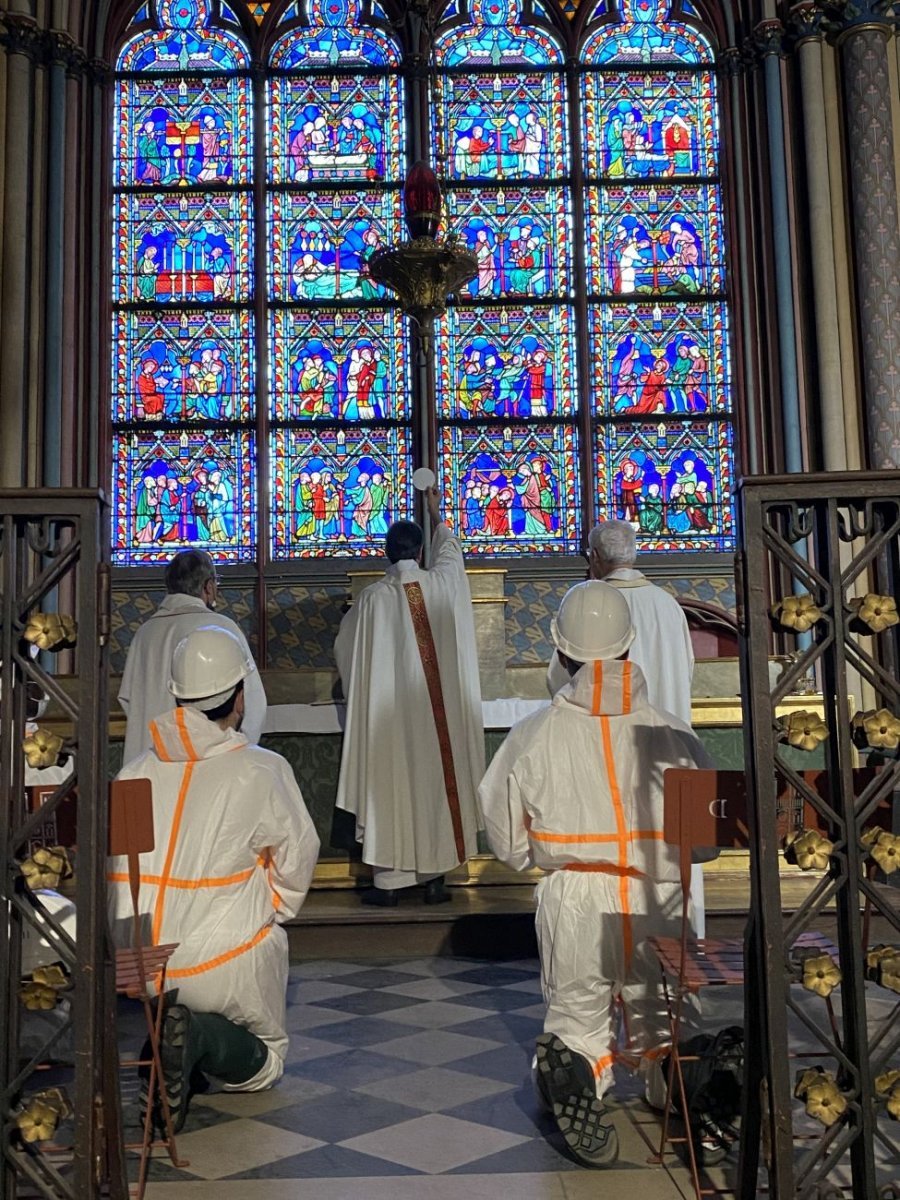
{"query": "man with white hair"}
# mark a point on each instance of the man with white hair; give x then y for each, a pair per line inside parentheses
(192, 594)
(662, 642)
(577, 789)
(235, 851)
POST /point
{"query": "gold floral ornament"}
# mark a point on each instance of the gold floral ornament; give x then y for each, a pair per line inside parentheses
(824, 1100)
(884, 1084)
(48, 631)
(877, 953)
(37, 997)
(882, 730)
(37, 1122)
(889, 973)
(808, 850)
(886, 852)
(803, 729)
(893, 1103)
(821, 974)
(796, 612)
(45, 868)
(870, 836)
(876, 612)
(53, 976)
(42, 748)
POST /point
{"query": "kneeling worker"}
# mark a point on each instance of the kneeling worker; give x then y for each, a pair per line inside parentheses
(577, 789)
(235, 852)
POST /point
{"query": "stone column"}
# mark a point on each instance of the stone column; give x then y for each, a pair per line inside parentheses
(807, 21)
(768, 42)
(22, 42)
(863, 36)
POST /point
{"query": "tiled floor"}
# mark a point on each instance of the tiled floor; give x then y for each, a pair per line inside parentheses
(406, 1080)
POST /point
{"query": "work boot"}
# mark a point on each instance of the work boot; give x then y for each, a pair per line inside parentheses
(435, 892)
(205, 1043)
(380, 897)
(567, 1081)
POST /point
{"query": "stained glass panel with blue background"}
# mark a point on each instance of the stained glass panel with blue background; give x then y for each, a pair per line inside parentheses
(182, 247)
(174, 489)
(516, 363)
(655, 239)
(504, 126)
(643, 125)
(334, 365)
(520, 236)
(175, 132)
(670, 357)
(511, 489)
(337, 490)
(192, 365)
(342, 128)
(672, 480)
(319, 243)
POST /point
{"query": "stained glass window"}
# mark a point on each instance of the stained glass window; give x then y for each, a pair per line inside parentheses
(507, 374)
(659, 326)
(585, 372)
(184, 353)
(339, 405)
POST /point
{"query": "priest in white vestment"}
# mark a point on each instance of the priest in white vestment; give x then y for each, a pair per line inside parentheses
(413, 752)
(191, 585)
(662, 643)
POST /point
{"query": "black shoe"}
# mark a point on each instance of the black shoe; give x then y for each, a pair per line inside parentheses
(567, 1080)
(436, 892)
(178, 1062)
(380, 897)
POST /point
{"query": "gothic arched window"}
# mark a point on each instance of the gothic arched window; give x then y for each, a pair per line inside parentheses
(660, 379)
(184, 337)
(264, 398)
(339, 373)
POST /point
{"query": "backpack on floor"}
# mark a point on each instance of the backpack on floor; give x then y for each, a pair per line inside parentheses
(713, 1078)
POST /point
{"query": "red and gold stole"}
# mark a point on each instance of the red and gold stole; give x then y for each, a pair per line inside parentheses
(428, 655)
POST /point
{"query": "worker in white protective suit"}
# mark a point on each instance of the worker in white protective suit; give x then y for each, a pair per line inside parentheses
(661, 647)
(192, 595)
(235, 853)
(577, 789)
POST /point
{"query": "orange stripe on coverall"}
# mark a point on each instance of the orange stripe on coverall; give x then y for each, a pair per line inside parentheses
(616, 795)
(185, 736)
(636, 835)
(207, 881)
(220, 959)
(602, 1063)
(170, 851)
(158, 744)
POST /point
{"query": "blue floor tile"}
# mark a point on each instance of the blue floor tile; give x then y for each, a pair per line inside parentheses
(351, 1068)
(369, 1003)
(503, 1027)
(517, 1111)
(341, 1116)
(496, 999)
(378, 978)
(361, 1031)
(510, 1064)
(495, 975)
(326, 1162)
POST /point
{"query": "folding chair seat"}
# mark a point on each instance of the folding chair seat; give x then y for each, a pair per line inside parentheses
(139, 966)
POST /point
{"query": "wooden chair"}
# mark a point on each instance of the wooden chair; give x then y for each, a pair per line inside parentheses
(709, 809)
(130, 835)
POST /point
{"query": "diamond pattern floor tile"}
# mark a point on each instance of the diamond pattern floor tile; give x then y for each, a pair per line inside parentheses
(404, 1080)
(434, 1143)
(435, 1046)
(434, 1089)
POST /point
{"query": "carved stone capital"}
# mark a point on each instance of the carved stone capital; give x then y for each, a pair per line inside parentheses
(22, 35)
(732, 61)
(808, 21)
(767, 39)
(63, 50)
(844, 18)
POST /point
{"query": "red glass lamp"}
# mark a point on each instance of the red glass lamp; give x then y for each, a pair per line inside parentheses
(422, 202)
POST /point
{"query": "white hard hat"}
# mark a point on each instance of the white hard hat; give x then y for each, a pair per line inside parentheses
(593, 622)
(207, 666)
